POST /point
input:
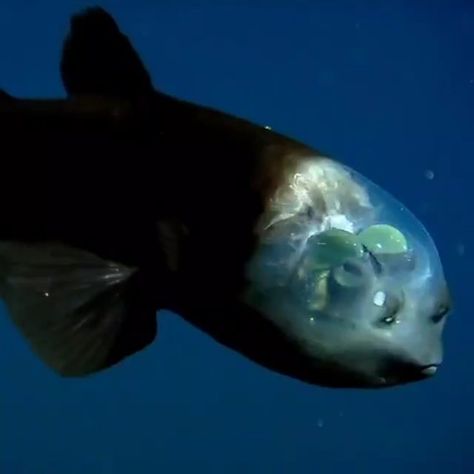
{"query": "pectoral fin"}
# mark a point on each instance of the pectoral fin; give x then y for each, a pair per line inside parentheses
(80, 313)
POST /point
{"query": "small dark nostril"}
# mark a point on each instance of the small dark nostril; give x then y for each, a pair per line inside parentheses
(440, 314)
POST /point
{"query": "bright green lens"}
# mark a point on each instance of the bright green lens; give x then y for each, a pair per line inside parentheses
(383, 239)
(333, 247)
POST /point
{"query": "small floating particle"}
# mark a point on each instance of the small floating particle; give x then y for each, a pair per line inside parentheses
(429, 174)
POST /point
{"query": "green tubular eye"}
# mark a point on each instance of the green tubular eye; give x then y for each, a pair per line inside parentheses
(333, 247)
(383, 239)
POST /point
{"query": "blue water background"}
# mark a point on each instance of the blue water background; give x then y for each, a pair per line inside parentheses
(387, 87)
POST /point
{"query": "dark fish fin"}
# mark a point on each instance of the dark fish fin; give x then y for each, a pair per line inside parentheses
(172, 236)
(98, 59)
(80, 313)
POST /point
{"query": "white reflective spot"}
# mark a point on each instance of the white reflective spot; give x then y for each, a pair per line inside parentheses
(46, 294)
(338, 221)
(379, 298)
(267, 127)
(429, 174)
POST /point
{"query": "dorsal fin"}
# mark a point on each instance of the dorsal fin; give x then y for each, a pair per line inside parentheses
(98, 59)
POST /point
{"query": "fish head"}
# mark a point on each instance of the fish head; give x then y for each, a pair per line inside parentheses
(350, 276)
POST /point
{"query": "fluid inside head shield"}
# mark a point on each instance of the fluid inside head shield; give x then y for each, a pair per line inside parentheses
(336, 248)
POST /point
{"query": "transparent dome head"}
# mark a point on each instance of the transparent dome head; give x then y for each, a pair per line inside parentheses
(348, 271)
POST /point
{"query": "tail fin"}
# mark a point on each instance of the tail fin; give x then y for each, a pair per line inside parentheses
(98, 59)
(80, 314)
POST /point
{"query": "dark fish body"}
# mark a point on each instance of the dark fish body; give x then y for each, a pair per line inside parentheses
(120, 200)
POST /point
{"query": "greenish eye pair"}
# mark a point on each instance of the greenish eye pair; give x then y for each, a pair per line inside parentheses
(333, 247)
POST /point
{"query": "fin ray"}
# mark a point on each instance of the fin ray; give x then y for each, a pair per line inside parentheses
(80, 314)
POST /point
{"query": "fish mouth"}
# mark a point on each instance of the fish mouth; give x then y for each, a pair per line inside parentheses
(429, 370)
(408, 373)
(421, 371)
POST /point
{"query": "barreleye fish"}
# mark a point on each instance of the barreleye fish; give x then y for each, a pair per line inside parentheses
(120, 200)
